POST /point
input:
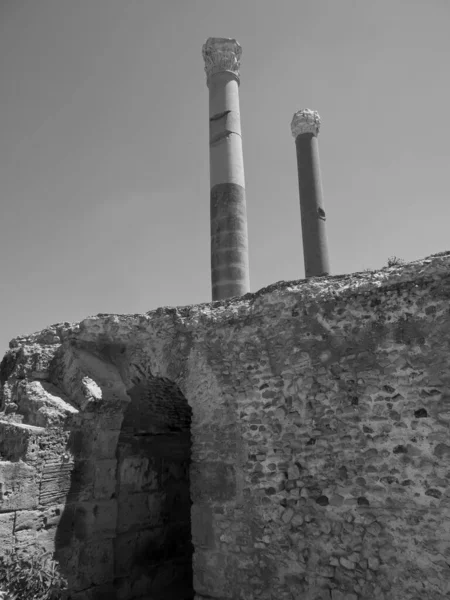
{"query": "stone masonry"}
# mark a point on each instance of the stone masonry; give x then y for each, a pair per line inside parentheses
(291, 444)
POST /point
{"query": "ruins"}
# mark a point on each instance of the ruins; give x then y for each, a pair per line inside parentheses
(288, 444)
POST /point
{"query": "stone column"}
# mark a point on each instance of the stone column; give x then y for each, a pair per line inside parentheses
(229, 238)
(305, 129)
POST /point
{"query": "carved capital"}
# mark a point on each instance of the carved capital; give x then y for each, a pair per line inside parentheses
(305, 121)
(221, 54)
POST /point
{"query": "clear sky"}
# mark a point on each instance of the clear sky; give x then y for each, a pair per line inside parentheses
(104, 172)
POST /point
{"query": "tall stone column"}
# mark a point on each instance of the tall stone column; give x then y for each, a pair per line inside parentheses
(229, 238)
(305, 129)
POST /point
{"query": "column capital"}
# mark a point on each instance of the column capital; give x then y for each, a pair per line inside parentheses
(221, 54)
(305, 121)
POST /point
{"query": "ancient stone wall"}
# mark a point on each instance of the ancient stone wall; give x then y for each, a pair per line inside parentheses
(304, 428)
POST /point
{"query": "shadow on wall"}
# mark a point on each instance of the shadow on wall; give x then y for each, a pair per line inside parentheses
(126, 527)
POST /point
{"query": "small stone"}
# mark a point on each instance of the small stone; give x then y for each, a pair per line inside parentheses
(297, 521)
(337, 500)
(347, 564)
(325, 526)
(325, 571)
(374, 563)
(387, 553)
(293, 472)
(280, 413)
(287, 515)
(442, 450)
(374, 529)
(421, 413)
(363, 564)
(322, 501)
(363, 501)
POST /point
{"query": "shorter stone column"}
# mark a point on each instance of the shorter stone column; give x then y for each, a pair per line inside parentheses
(305, 128)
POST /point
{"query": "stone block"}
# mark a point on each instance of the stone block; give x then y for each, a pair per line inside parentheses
(6, 531)
(213, 481)
(91, 442)
(137, 474)
(95, 520)
(202, 526)
(31, 540)
(105, 478)
(139, 511)
(36, 520)
(19, 441)
(56, 481)
(96, 563)
(82, 485)
(210, 574)
(19, 486)
(125, 548)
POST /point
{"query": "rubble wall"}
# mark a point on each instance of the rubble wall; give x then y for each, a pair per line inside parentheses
(316, 414)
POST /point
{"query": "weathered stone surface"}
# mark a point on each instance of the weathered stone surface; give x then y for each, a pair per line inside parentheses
(7, 530)
(312, 419)
(20, 442)
(19, 486)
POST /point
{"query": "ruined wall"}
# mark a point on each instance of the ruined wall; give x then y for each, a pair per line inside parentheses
(319, 467)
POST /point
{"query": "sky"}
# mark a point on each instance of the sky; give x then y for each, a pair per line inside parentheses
(104, 165)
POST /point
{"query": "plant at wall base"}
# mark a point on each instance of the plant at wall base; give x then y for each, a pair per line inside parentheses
(394, 261)
(24, 577)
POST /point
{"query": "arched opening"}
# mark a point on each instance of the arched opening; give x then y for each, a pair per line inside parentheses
(153, 547)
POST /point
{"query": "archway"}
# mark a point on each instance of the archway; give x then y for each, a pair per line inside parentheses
(153, 547)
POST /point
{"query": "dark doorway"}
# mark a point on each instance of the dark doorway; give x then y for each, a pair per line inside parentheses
(153, 548)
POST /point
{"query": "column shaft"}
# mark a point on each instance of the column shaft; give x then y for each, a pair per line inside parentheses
(229, 239)
(315, 244)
